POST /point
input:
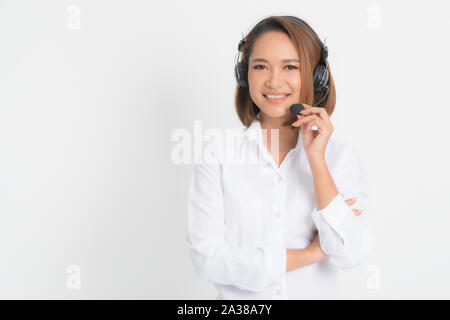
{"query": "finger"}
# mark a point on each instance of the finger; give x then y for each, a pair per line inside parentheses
(316, 121)
(320, 111)
(300, 116)
(357, 212)
(306, 119)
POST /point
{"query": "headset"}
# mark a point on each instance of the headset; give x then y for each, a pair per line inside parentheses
(321, 73)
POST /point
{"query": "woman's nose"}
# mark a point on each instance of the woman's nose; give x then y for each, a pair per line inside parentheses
(274, 79)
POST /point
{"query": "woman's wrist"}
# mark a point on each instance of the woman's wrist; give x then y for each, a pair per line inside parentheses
(297, 258)
(315, 253)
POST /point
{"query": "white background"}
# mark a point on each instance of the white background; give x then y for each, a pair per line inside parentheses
(91, 92)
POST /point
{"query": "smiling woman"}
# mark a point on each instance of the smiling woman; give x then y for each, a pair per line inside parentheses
(278, 53)
(280, 228)
(274, 81)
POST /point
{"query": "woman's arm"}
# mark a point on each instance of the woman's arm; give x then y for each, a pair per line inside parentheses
(297, 258)
(344, 237)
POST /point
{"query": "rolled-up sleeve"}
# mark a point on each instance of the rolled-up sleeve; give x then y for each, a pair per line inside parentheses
(344, 236)
(215, 259)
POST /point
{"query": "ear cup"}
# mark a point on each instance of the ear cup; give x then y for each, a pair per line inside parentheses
(321, 76)
(321, 87)
(240, 73)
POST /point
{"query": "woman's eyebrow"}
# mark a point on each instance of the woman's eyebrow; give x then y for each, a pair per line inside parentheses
(264, 60)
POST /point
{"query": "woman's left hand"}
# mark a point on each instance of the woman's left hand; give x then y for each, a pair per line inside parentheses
(352, 201)
(314, 141)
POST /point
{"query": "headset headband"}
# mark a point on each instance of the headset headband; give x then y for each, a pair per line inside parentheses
(324, 52)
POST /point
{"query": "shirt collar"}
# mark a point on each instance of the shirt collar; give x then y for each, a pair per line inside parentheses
(254, 133)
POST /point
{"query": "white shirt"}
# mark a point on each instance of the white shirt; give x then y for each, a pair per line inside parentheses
(243, 215)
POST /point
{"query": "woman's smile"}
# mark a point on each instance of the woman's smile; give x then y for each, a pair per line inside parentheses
(275, 99)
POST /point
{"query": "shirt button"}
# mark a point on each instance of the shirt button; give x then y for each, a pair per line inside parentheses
(278, 292)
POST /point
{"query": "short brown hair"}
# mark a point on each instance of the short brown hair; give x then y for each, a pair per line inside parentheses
(309, 54)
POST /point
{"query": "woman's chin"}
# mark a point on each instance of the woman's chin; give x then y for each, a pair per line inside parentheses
(277, 112)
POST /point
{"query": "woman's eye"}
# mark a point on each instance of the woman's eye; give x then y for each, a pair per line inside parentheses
(292, 67)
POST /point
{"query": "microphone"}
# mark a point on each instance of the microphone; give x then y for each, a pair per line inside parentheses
(296, 108)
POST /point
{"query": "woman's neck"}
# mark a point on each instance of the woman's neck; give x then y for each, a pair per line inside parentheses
(287, 133)
(282, 123)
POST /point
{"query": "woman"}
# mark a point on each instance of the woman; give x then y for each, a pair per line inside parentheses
(280, 228)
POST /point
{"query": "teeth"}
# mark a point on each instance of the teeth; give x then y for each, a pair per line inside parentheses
(275, 97)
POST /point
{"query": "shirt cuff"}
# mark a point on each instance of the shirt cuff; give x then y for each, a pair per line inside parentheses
(334, 213)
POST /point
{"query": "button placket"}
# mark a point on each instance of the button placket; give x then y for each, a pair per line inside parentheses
(276, 214)
(279, 197)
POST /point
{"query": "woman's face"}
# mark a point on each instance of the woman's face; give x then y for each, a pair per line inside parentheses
(274, 69)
